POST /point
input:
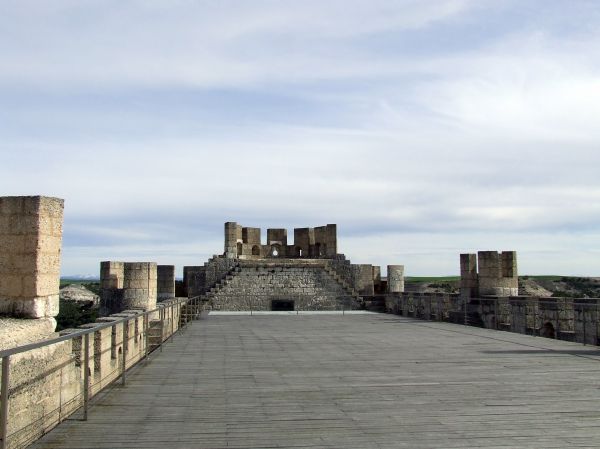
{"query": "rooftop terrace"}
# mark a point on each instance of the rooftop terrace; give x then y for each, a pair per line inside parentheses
(352, 381)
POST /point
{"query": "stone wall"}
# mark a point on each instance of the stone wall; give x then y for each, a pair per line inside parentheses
(233, 235)
(165, 282)
(216, 268)
(395, 278)
(469, 283)
(46, 383)
(257, 285)
(433, 306)
(363, 279)
(30, 246)
(345, 269)
(245, 243)
(277, 236)
(489, 273)
(139, 285)
(568, 319)
(498, 273)
(111, 287)
(188, 273)
(129, 285)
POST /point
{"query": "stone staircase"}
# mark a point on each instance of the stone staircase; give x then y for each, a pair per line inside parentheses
(347, 287)
(310, 283)
(225, 280)
(155, 334)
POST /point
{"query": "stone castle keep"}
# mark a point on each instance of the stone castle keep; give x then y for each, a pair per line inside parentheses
(308, 274)
(141, 309)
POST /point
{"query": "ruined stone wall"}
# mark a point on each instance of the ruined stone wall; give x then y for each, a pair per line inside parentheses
(255, 287)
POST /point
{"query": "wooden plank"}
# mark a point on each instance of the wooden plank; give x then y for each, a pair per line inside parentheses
(354, 381)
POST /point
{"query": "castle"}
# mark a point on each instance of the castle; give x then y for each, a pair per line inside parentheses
(44, 385)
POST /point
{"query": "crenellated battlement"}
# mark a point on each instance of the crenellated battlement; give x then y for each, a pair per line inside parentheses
(245, 243)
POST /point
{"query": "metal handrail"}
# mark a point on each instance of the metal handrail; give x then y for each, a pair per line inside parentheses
(79, 333)
(84, 334)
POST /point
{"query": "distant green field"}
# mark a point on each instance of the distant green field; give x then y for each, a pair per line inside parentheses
(543, 277)
(457, 278)
(432, 278)
(90, 284)
(67, 281)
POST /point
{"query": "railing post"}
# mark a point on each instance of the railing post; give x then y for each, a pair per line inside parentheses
(583, 319)
(4, 401)
(146, 338)
(557, 320)
(161, 315)
(124, 354)
(496, 313)
(172, 321)
(429, 311)
(86, 375)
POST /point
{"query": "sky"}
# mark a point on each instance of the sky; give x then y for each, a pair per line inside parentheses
(423, 128)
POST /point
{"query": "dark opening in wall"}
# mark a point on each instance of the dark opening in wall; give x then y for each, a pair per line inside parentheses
(548, 330)
(282, 305)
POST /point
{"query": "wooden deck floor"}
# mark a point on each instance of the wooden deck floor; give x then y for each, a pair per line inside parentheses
(354, 381)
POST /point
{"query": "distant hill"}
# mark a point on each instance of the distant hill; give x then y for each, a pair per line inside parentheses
(542, 286)
(80, 277)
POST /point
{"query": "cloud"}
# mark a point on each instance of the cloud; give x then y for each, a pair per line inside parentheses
(411, 124)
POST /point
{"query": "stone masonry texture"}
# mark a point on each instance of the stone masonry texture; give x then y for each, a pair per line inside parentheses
(30, 249)
(165, 281)
(139, 285)
(395, 278)
(307, 287)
